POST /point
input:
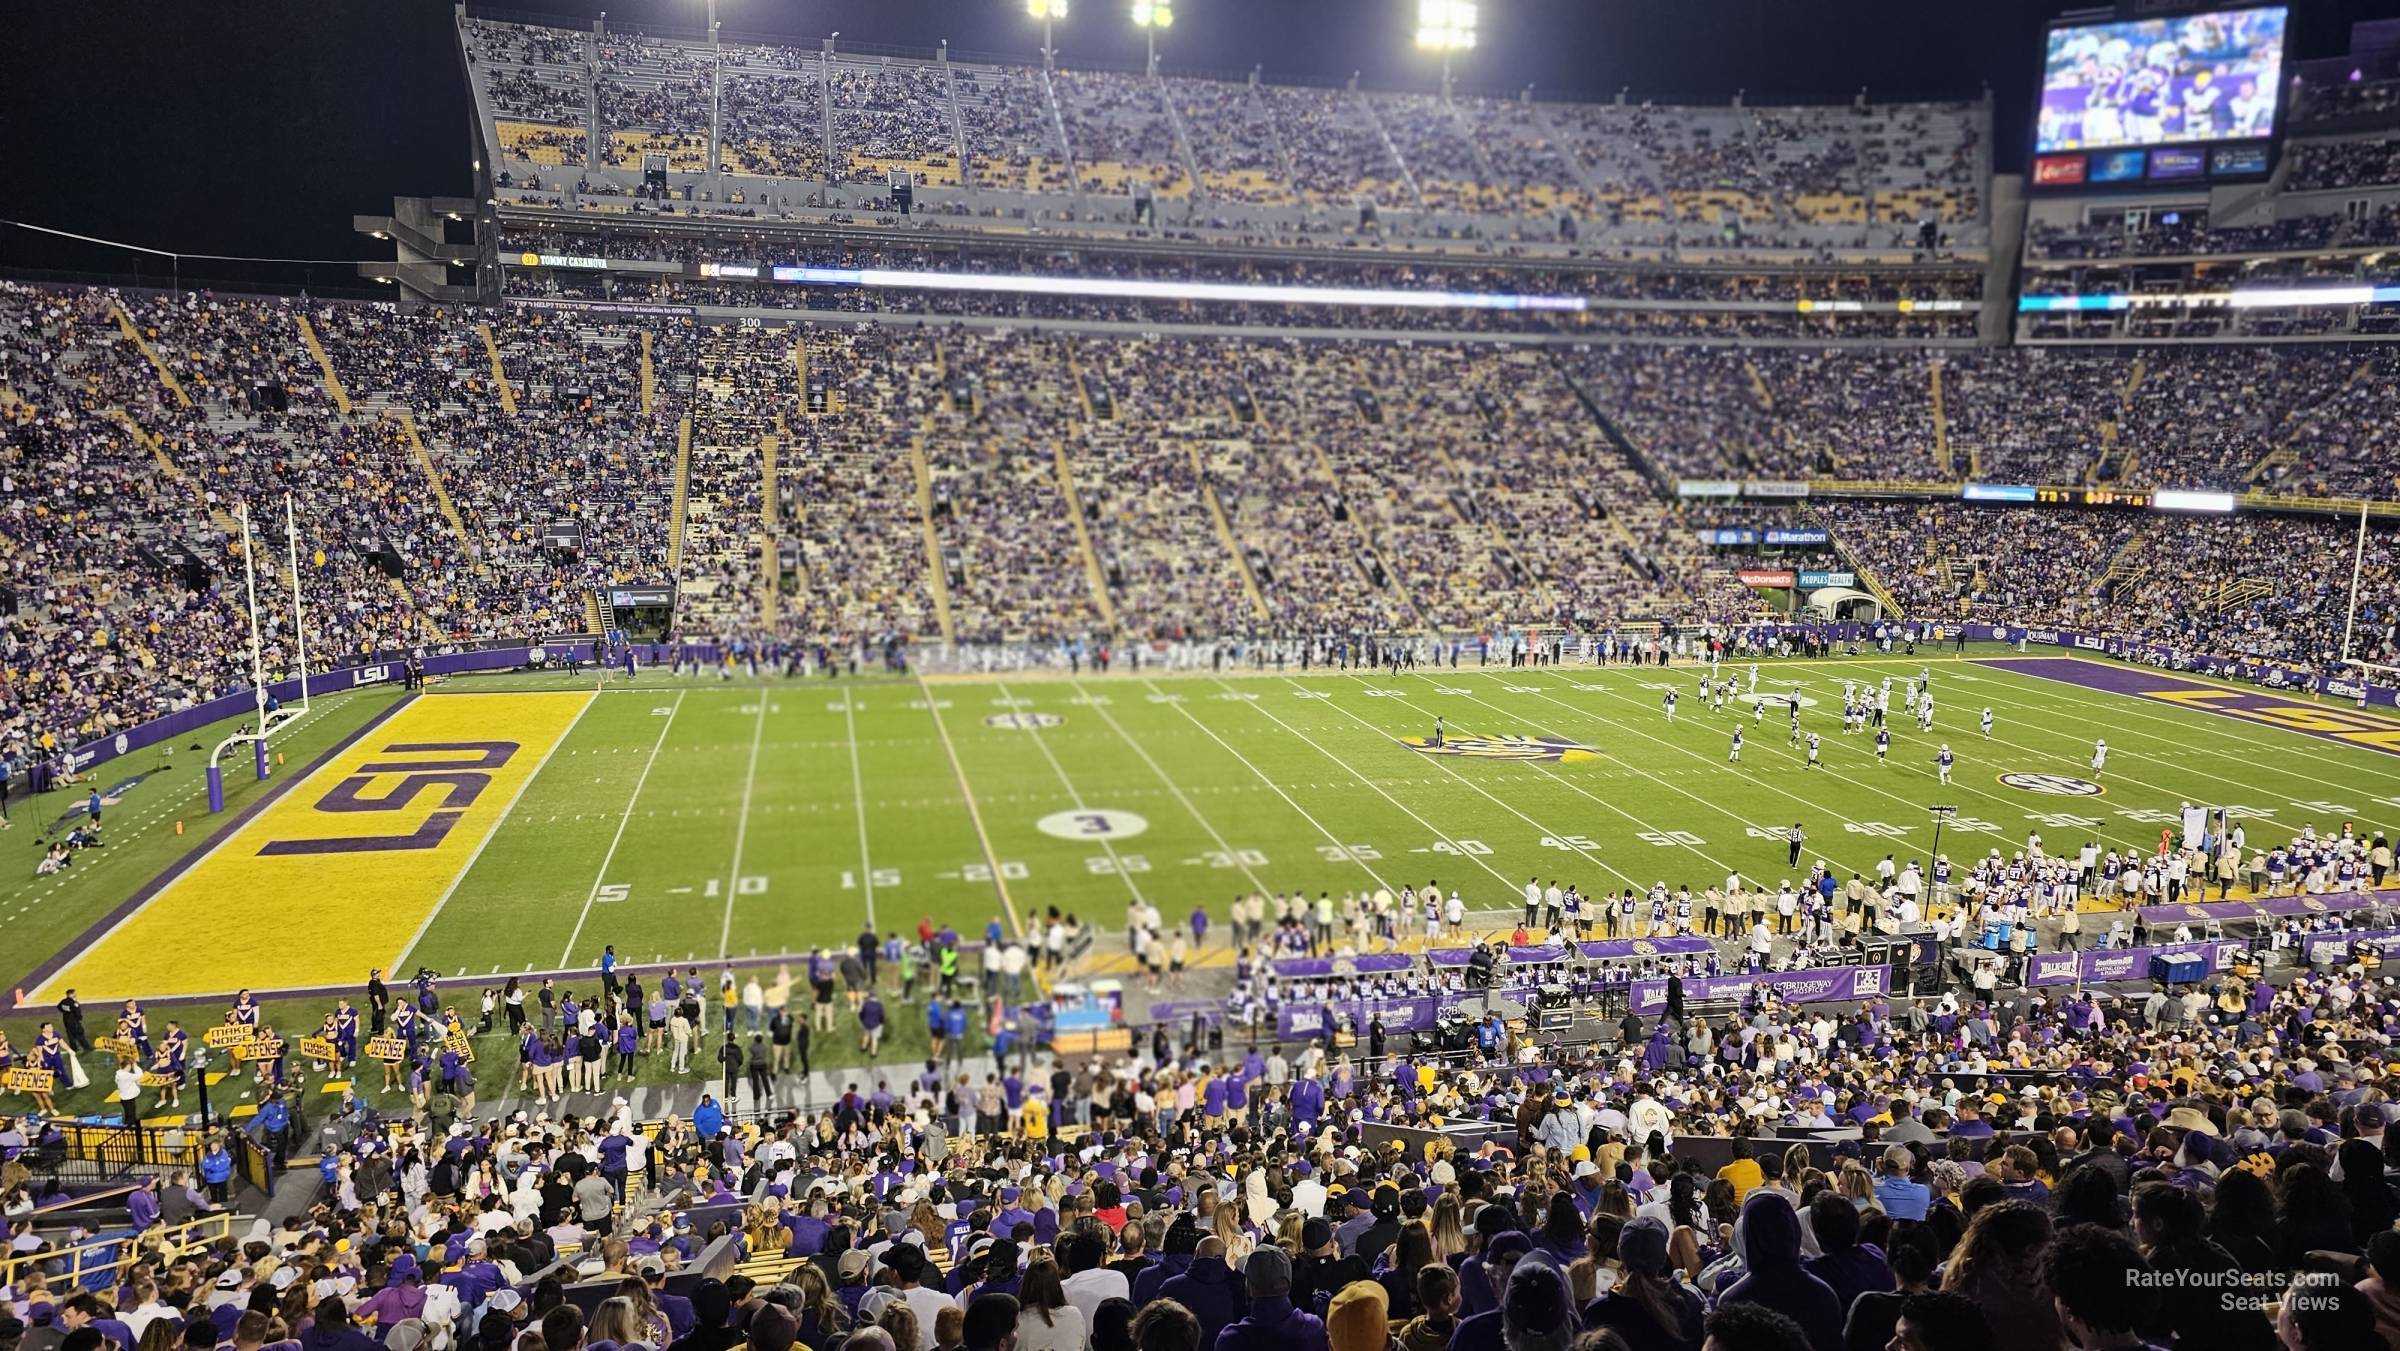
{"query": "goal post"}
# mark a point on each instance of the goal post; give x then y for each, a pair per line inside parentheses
(269, 719)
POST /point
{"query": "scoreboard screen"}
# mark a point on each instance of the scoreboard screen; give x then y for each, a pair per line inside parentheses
(2189, 99)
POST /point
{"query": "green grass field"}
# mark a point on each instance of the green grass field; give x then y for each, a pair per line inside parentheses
(681, 820)
(688, 820)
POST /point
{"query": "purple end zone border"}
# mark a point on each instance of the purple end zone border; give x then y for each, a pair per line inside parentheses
(2347, 725)
(51, 965)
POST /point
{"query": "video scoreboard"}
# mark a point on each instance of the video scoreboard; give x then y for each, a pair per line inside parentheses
(2160, 103)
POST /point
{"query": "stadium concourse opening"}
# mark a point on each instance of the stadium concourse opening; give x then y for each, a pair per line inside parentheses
(933, 699)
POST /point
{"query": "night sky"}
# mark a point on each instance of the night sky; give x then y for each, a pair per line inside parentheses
(261, 127)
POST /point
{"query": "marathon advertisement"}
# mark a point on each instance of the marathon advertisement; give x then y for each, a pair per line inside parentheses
(1830, 985)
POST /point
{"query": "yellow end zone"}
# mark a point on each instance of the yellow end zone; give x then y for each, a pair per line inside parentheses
(344, 871)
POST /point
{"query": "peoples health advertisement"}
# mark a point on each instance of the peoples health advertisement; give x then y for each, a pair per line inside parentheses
(2201, 77)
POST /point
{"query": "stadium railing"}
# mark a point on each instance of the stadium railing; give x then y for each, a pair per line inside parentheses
(122, 1149)
(98, 1263)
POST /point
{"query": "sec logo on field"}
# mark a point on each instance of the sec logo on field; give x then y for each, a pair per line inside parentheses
(2057, 785)
(1024, 722)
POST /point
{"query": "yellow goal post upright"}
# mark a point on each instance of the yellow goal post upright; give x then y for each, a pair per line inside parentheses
(269, 718)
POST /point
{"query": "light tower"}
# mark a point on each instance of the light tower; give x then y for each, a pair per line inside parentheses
(1448, 27)
(1150, 16)
(1049, 12)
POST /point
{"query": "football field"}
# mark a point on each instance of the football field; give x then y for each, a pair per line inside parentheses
(518, 824)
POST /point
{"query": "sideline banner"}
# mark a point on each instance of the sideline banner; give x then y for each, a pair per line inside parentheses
(1828, 984)
(2107, 964)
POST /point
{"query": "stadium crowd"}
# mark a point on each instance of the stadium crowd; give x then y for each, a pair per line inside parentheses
(2212, 1168)
(460, 477)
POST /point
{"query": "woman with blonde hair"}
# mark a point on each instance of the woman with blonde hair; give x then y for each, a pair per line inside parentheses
(635, 1291)
(900, 1321)
(818, 1308)
(1449, 1232)
(1228, 1228)
(1855, 1185)
(614, 1321)
(1045, 1320)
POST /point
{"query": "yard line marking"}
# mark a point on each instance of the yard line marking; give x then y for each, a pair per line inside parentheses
(991, 857)
(619, 837)
(1276, 788)
(400, 962)
(2304, 746)
(741, 830)
(1724, 811)
(1107, 846)
(1269, 714)
(858, 790)
(1765, 743)
(1783, 750)
(1588, 855)
(1174, 788)
(2135, 707)
(2245, 750)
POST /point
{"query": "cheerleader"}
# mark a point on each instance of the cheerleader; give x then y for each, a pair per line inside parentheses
(173, 1053)
(345, 1032)
(134, 1026)
(324, 1034)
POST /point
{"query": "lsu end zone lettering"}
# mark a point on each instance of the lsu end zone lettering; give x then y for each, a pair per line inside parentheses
(342, 872)
(2330, 721)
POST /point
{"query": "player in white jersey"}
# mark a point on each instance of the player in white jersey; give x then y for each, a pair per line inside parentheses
(1734, 757)
(1987, 722)
(1758, 710)
(1908, 696)
(1754, 677)
(1943, 761)
(1925, 714)
(1812, 752)
(1849, 692)
(1794, 706)
(2099, 755)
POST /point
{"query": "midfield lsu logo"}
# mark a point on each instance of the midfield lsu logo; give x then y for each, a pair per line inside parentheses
(1547, 748)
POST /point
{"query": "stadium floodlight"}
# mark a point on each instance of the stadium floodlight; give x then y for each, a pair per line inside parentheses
(1150, 16)
(1049, 12)
(1448, 27)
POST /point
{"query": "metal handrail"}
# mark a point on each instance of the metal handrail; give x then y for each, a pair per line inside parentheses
(87, 1259)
